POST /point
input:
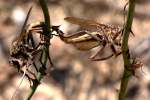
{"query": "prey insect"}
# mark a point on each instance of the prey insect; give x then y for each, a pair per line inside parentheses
(94, 34)
(21, 50)
(21, 53)
(24, 50)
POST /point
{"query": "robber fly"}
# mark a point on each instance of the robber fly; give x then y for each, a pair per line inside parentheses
(19, 51)
(93, 35)
(23, 49)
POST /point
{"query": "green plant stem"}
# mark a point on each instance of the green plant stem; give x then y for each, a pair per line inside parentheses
(46, 16)
(45, 49)
(125, 51)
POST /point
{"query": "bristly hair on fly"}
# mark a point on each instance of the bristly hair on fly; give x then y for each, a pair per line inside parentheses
(93, 35)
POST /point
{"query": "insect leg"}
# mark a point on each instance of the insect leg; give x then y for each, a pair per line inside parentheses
(116, 53)
(37, 30)
(95, 37)
(104, 58)
(36, 27)
(99, 51)
(117, 34)
(29, 79)
(113, 49)
(49, 58)
(36, 51)
(109, 56)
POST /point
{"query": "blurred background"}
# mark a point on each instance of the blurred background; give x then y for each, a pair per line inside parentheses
(76, 77)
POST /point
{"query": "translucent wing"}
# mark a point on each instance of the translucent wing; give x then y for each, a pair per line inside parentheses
(93, 26)
(86, 45)
(23, 33)
(87, 24)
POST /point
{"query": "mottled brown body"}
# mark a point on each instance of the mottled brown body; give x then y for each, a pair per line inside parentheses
(23, 49)
(94, 34)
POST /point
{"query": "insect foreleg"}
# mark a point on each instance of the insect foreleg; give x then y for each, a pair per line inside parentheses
(99, 51)
(116, 53)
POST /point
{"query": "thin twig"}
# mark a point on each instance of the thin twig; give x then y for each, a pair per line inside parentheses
(45, 48)
(125, 51)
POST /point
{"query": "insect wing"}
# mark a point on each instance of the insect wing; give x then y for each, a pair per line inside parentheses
(86, 45)
(89, 25)
(23, 33)
(93, 26)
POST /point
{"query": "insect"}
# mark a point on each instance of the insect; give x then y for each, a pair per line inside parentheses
(94, 34)
(24, 50)
(20, 51)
